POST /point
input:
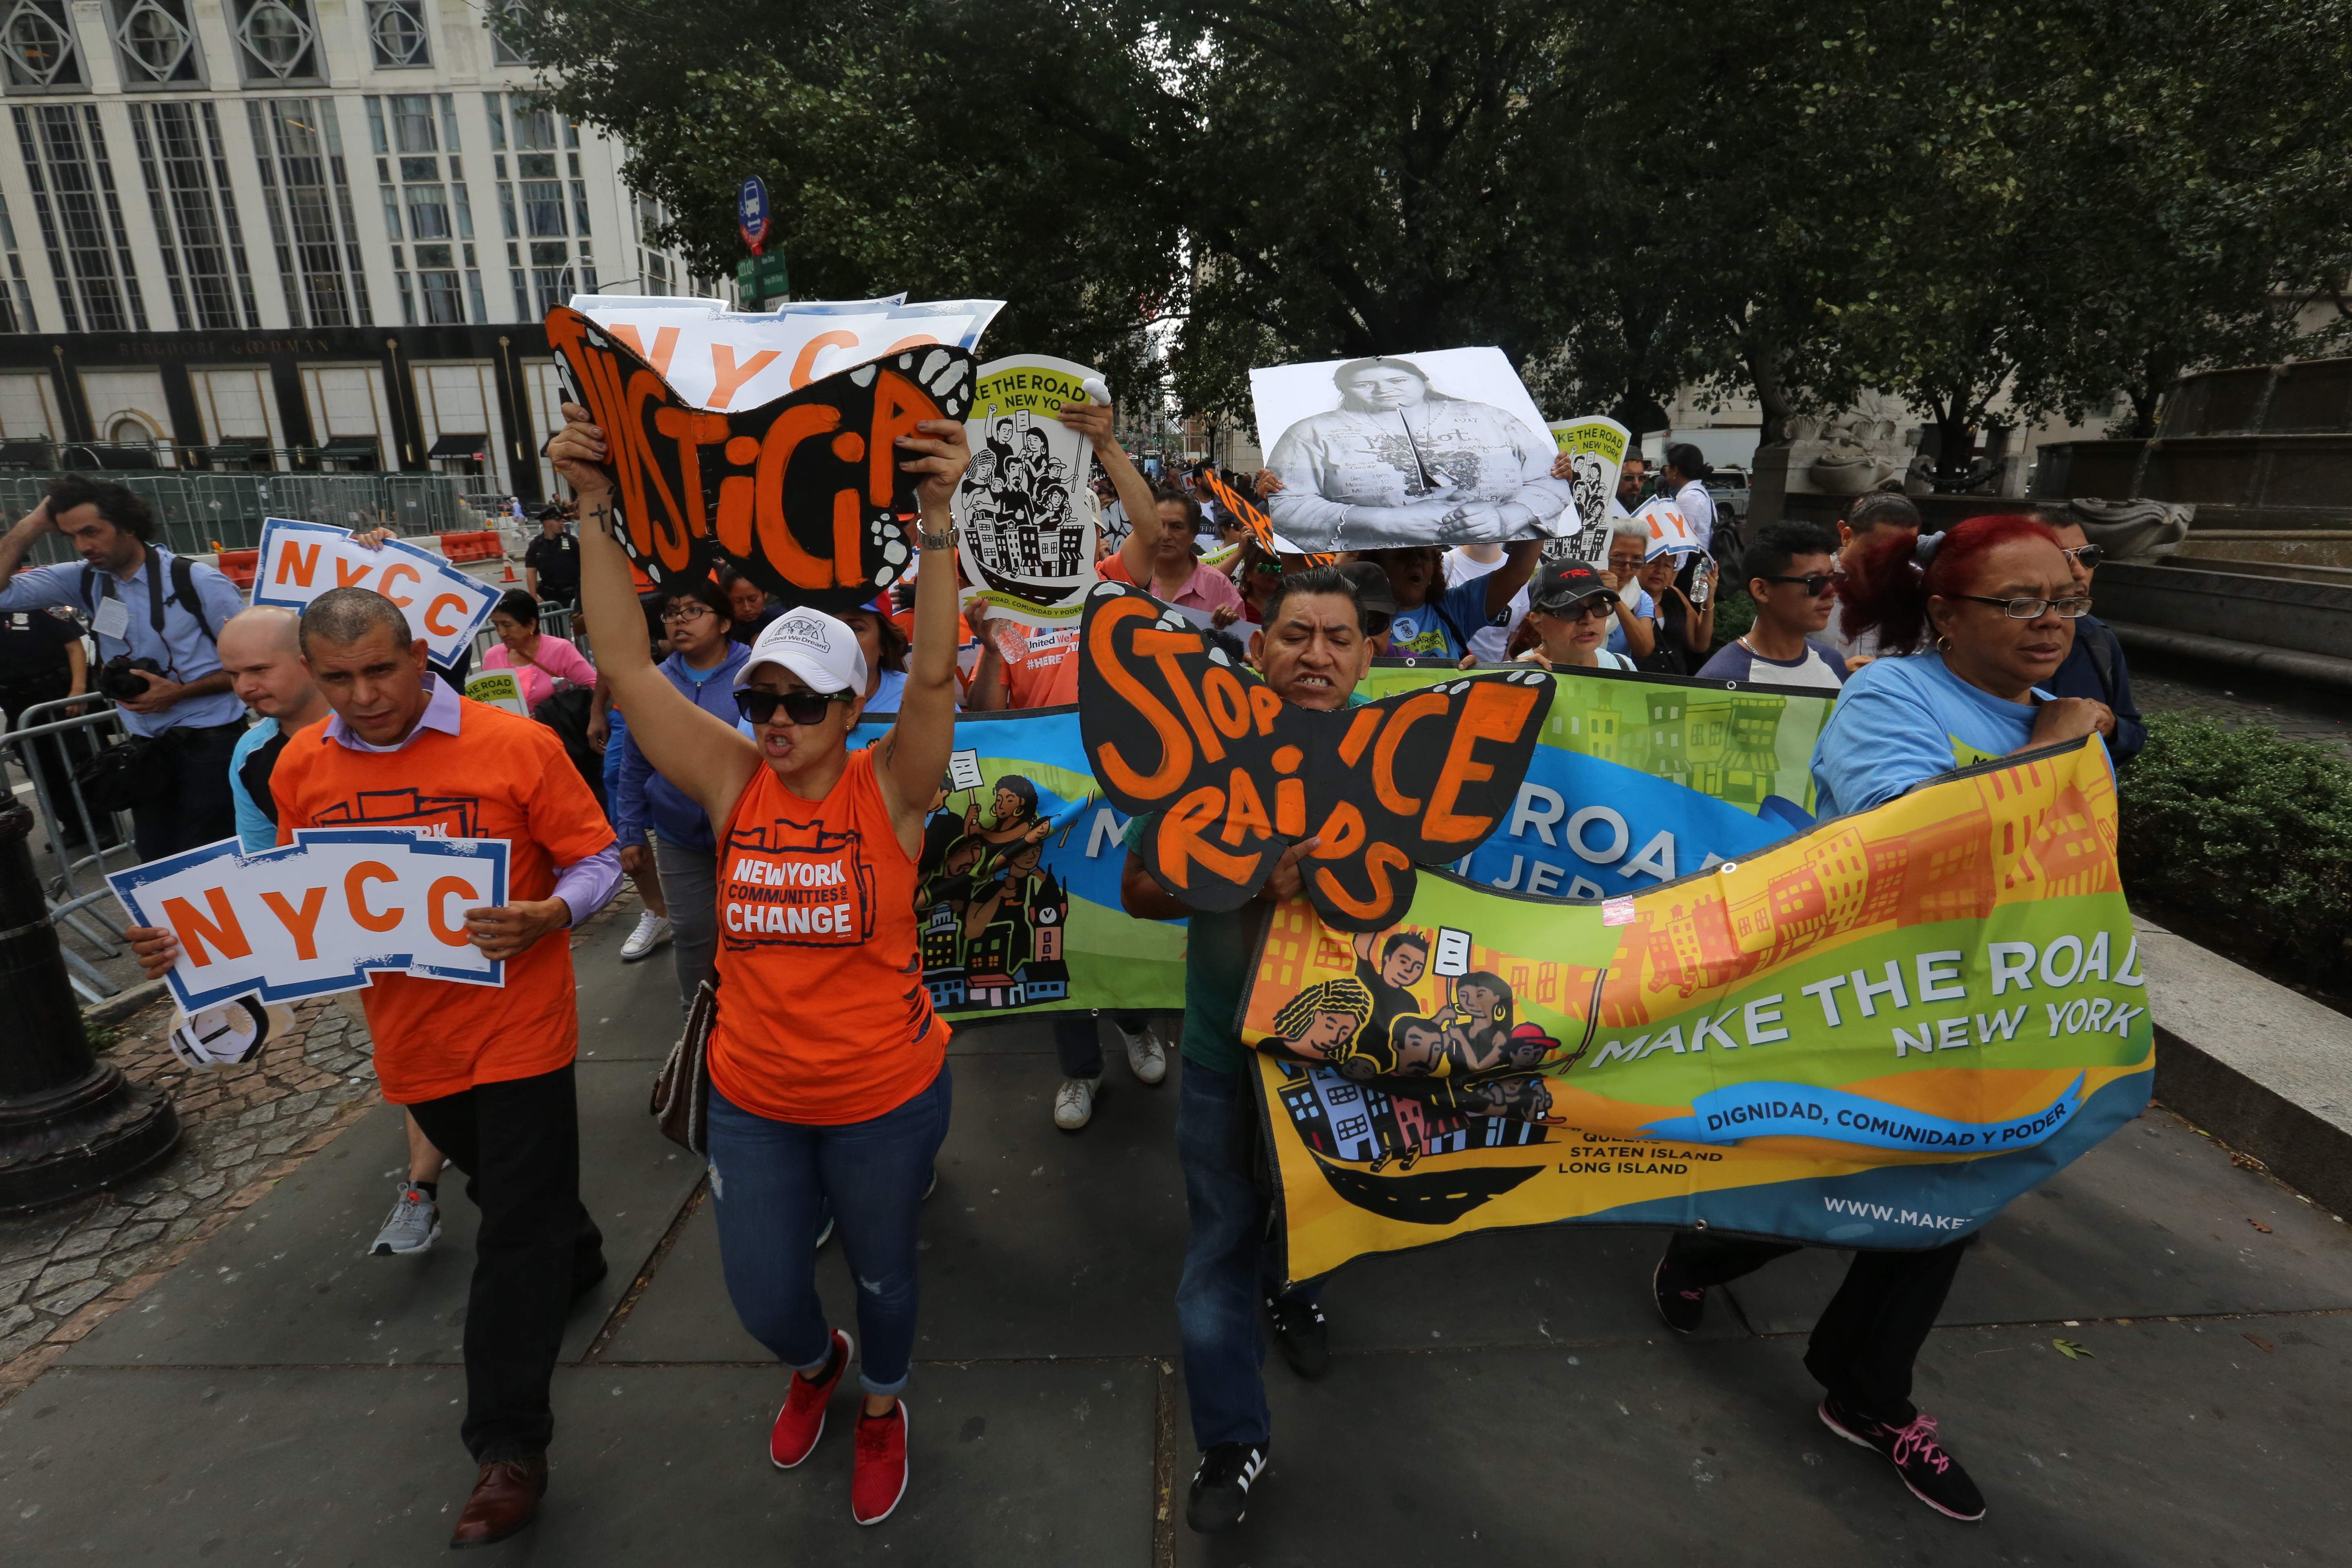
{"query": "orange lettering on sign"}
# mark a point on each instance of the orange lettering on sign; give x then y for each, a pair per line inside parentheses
(345, 577)
(302, 924)
(1175, 746)
(784, 552)
(805, 366)
(729, 379)
(1248, 811)
(432, 614)
(1184, 839)
(664, 344)
(1495, 711)
(401, 569)
(899, 406)
(1425, 705)
(298, 562)
(452, 935)
(1379, 861)
(355, 882)
(194, 931)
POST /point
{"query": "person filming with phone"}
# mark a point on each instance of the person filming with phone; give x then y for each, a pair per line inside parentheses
(157, 615)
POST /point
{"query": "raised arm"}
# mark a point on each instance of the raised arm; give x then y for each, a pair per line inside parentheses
(915, 753)
(1093, 420)
(702, 755)
(1504, 581)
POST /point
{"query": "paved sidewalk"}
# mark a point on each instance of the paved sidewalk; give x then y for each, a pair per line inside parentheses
(1509, 1399)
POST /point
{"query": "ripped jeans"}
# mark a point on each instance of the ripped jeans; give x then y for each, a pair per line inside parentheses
(769, 1180)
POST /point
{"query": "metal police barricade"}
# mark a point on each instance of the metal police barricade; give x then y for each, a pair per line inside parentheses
(556, 620)
(78, 834)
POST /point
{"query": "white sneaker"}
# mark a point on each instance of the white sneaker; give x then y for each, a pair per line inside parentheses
(1145, 1055)
(652, 931)
(1074, 1105)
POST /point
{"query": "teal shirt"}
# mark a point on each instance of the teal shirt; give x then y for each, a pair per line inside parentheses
(1217, 954)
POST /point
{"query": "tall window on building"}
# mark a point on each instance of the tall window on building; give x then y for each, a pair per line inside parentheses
(654, 273)
(16, 297)
(154, 44)
(81, 217)
(557, 269)
(277, 41)
(502, 52)
(308, 192)
(194, 208)
(37, 44)
(396, 34)
(416, 140)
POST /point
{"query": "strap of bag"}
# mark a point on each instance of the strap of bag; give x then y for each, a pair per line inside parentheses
(183, 589)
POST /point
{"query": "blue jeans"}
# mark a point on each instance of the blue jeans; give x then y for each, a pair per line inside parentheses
(1228, 1263)
(1077, 1041)
(769, 1180)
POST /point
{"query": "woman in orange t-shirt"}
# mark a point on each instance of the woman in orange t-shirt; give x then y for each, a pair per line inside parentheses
(828, 1069)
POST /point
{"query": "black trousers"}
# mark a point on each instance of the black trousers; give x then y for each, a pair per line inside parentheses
(1867, 1339)
(1077, 1041)
(198, 808)
(519, 1144)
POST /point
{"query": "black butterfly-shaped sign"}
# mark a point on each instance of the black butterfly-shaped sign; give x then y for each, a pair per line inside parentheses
(804, 492)
(1239, 507)
(1235, 774)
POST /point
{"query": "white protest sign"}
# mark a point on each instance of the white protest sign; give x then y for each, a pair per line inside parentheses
(1028, 535)
(717, 358)
(1670, 532)
(500, 690)
(300, 561)
(319, 914)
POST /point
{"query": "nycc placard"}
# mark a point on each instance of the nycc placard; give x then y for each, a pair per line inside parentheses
(300, 561)
(1875, 1033)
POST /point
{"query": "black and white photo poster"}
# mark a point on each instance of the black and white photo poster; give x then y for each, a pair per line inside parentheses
(1444, 447)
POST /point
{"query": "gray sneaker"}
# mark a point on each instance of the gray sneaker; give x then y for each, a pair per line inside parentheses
(414, 1225)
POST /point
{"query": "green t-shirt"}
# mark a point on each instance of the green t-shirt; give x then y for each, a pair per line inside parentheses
(1217, 953)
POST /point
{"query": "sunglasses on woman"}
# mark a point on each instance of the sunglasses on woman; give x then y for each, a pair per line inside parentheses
(1815, 584)
(802, 708)
(1598, 605)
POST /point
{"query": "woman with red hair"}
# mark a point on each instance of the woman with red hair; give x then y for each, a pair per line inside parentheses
(1997, 600)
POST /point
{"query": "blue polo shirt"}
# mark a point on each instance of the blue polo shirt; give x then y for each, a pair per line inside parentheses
(182, 648)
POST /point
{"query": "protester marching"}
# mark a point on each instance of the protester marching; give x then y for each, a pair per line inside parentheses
(1398, 799)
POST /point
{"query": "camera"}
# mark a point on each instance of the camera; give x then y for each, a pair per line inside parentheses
(118, 676)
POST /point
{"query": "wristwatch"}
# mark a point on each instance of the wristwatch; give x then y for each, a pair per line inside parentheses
(935, 541)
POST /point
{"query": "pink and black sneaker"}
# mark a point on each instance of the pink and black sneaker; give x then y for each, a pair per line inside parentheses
(801, 1420)
(1681, 1308)
(877, 1478)
(1934, 1477)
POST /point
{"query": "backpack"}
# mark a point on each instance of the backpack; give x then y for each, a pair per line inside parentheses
(184, 593)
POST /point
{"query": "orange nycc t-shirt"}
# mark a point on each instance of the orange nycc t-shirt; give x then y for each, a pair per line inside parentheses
(823, 1017)
(500, 776)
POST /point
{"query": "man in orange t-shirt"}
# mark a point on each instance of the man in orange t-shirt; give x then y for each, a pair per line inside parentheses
(486, 1071)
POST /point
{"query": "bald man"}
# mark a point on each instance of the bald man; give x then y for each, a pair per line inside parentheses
(261, 651)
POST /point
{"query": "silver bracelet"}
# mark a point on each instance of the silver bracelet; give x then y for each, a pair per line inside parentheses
(936, 541)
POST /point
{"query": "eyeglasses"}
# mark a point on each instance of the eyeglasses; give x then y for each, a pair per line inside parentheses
(2031, 609)
(803, 707)
(1592, 605)
(1815, 584)
(2084, 555)
(678, 614)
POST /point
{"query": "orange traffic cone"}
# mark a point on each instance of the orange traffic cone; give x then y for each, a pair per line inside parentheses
(510, 576)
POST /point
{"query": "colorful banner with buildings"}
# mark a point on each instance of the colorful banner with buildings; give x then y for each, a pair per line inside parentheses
(1875, 1033)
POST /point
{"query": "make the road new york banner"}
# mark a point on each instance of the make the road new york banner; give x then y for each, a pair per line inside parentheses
(1016, 893)
(1875, 1033)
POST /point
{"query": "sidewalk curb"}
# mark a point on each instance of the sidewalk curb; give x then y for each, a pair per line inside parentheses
(123, 1003)
(2265, 1070)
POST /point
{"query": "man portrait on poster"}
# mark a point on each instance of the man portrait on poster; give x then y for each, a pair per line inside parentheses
(1404, 460)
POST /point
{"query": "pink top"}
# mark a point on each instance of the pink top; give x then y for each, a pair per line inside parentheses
(1208, 589)
(553, 658)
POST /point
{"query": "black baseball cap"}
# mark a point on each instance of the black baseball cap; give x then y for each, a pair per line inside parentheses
(1374, 594)
(1565, 583)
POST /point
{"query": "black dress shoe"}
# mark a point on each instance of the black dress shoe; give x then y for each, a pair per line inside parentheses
(506, 1497)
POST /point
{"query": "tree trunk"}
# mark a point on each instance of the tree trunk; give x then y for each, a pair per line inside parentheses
(1763, 361)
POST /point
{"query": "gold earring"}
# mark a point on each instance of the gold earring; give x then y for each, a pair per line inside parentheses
(1943, 643)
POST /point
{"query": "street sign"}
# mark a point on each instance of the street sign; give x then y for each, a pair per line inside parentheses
(764, 280)
(751, 213)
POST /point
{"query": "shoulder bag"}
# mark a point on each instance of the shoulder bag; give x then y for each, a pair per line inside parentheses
(681, 1099)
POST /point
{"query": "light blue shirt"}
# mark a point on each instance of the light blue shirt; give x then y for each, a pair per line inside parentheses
(1901, 722)
(183, 649)
(255, 828)
(1644, 606)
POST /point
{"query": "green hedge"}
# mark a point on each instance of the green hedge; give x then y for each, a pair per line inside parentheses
(2246, 832)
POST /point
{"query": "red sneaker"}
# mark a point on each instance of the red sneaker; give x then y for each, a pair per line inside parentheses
(801, 1420)
(878, 1478)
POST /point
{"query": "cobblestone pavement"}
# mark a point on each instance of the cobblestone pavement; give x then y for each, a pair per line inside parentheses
(64, 1269)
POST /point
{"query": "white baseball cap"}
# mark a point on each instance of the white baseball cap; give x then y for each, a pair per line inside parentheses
(814, 646)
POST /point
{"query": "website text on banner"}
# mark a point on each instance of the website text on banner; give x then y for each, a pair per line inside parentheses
(1873, 1034)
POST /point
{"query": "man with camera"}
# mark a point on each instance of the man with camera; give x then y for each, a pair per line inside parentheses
(156, 616)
